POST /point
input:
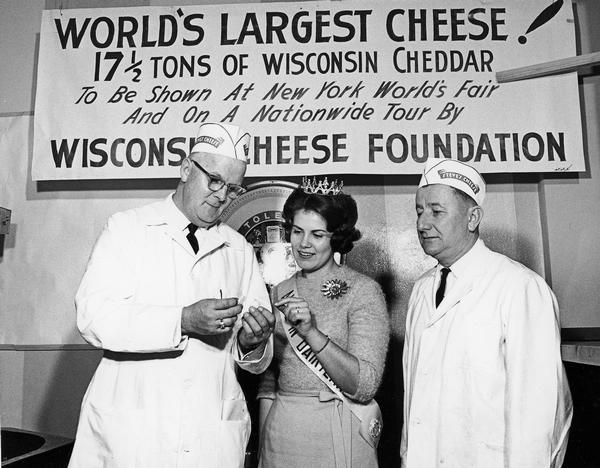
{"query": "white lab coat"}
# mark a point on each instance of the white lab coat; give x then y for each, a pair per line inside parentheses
(182, 411)
(484, 381)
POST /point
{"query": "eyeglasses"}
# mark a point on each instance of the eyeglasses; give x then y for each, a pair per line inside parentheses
(215, 183)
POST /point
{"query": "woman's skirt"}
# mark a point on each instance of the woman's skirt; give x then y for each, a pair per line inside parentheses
(313, 430)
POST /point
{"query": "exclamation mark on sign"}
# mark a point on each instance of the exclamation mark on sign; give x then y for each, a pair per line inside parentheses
(546, 15)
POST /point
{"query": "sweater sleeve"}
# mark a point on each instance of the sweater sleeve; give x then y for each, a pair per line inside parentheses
(368, 336)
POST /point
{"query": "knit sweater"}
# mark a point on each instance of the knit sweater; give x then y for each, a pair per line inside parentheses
(357, 321)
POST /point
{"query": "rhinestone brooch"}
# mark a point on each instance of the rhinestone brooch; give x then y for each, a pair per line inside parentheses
(334, 288)
(375, 428)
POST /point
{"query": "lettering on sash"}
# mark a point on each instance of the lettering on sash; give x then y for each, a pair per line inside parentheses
(303, 349)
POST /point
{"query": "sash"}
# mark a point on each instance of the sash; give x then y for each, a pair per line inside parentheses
(369, 414)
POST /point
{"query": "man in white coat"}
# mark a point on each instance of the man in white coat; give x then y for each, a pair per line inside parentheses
(176, 300)
(484, 382)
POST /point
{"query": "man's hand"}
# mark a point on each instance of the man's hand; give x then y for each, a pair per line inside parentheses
(210, 316)
(257, 326)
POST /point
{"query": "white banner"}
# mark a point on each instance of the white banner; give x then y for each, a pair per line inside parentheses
(363, 87)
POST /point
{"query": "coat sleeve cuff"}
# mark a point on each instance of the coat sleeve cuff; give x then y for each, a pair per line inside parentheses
(257, 360)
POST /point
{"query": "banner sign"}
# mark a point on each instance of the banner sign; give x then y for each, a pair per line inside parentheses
(362, 87)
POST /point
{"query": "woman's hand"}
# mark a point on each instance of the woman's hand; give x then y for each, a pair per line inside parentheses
(341, 366)
(297, 312)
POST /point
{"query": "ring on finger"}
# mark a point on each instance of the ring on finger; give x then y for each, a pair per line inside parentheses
(221, 324)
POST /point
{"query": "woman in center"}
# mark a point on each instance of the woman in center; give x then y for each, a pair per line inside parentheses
(316, 400)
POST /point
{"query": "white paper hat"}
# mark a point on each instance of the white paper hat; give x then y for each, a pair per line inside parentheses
(455, 174)
(223, 140)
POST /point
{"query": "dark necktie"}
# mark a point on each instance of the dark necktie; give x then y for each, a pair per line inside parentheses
(191, 237)
(439, 295)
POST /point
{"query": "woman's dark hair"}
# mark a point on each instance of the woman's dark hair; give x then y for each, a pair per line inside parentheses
(339, 211)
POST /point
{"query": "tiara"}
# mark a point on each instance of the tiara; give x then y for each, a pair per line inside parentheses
(322, 187)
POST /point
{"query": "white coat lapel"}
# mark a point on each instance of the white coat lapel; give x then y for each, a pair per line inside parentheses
(178, 237)
(175, 235)
(209, 241)
(468, 270)
(460, 289)
(165, 216)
